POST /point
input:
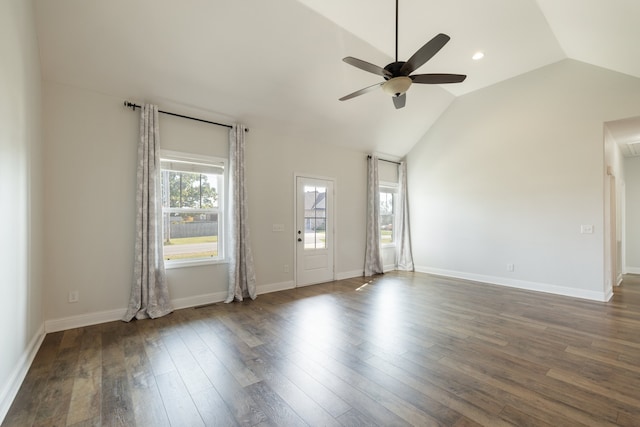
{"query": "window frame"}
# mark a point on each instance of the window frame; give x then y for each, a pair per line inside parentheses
(178, 156)
(389, 188)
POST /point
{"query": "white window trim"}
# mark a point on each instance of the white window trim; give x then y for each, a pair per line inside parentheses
(221, 209)
(390, 187)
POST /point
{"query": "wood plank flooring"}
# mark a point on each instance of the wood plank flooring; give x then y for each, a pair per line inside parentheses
(399, 349)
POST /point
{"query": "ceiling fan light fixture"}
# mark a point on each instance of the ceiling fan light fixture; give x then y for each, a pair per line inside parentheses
(397, 85)
(398, 75)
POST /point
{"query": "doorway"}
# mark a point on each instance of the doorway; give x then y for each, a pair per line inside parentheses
(314, 233)
(622, 229)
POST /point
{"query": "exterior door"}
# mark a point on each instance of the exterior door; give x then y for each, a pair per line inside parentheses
(314, 231)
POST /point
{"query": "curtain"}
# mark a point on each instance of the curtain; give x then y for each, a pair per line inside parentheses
(149, 292)
(242, 277)
(403, 246)
(372, 256)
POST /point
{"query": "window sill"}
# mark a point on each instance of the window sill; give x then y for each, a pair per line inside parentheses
(170, 265)
(387, 245)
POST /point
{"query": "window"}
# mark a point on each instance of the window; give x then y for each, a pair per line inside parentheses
(388, 199)
(315, 216)
(192, 208)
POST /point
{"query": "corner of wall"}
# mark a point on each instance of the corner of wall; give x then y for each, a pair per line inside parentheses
(13, 383)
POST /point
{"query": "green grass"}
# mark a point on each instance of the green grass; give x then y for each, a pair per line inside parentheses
(386, 236)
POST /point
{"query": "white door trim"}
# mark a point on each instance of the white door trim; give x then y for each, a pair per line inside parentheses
(332, 212)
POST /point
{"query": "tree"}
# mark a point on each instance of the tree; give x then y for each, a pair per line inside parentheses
(191, 190)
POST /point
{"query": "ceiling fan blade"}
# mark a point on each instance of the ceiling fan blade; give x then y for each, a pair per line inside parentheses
(400, 101)
(361, 91)
(436, 79)
(366, 66)
(424, 54)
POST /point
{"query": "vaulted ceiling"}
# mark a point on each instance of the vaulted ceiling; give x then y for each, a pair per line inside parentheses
(280, 60)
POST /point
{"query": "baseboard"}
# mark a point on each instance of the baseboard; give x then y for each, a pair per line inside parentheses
(197, 300)
(275, 287)
(88, 319)
(82, 320)
(10, 390)
(519, 284)
(632, 270)
(349, 274)
(360, 273)
(608, 295)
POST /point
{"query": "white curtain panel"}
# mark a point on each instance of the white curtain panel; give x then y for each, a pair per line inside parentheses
(403, 247)
(149, 292)
(372, 255)
(242, 277)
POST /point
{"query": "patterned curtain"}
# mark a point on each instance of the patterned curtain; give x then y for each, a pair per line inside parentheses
(149, 293)
(242, 277)
(403, 248)
(372, 256)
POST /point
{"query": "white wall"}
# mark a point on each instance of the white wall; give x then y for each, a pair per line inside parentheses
(21, 194)
(632, 213)
(90, 181)
(510, 173)
(90, 151)
(274, 155)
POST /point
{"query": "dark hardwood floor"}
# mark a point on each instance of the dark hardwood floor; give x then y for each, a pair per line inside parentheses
(401, 349)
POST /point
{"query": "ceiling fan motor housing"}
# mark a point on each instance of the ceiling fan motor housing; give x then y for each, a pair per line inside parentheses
(394, 68)
(396, 83)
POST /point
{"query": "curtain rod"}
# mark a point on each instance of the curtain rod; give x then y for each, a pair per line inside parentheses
(134, 106)
(385, 160)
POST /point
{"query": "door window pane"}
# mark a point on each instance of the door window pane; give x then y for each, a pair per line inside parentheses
(315, 206)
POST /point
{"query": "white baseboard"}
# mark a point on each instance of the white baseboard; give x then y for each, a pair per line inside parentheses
(349, 274)
(275, 287)
(360, 273)
(81, 320)
(88, 319)
(197, 300)
(9, 391)
(519, 284)
(632, 270)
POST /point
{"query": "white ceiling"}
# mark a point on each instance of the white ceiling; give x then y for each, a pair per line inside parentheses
(280, 60)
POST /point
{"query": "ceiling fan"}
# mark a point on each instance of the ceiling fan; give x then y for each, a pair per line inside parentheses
(397, 75)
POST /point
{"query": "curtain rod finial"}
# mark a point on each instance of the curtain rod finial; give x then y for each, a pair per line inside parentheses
(130, 105)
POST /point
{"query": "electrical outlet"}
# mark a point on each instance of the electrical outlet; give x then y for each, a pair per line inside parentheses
(74, 296)
(586, 229)
(285, 268)
(510, 267)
